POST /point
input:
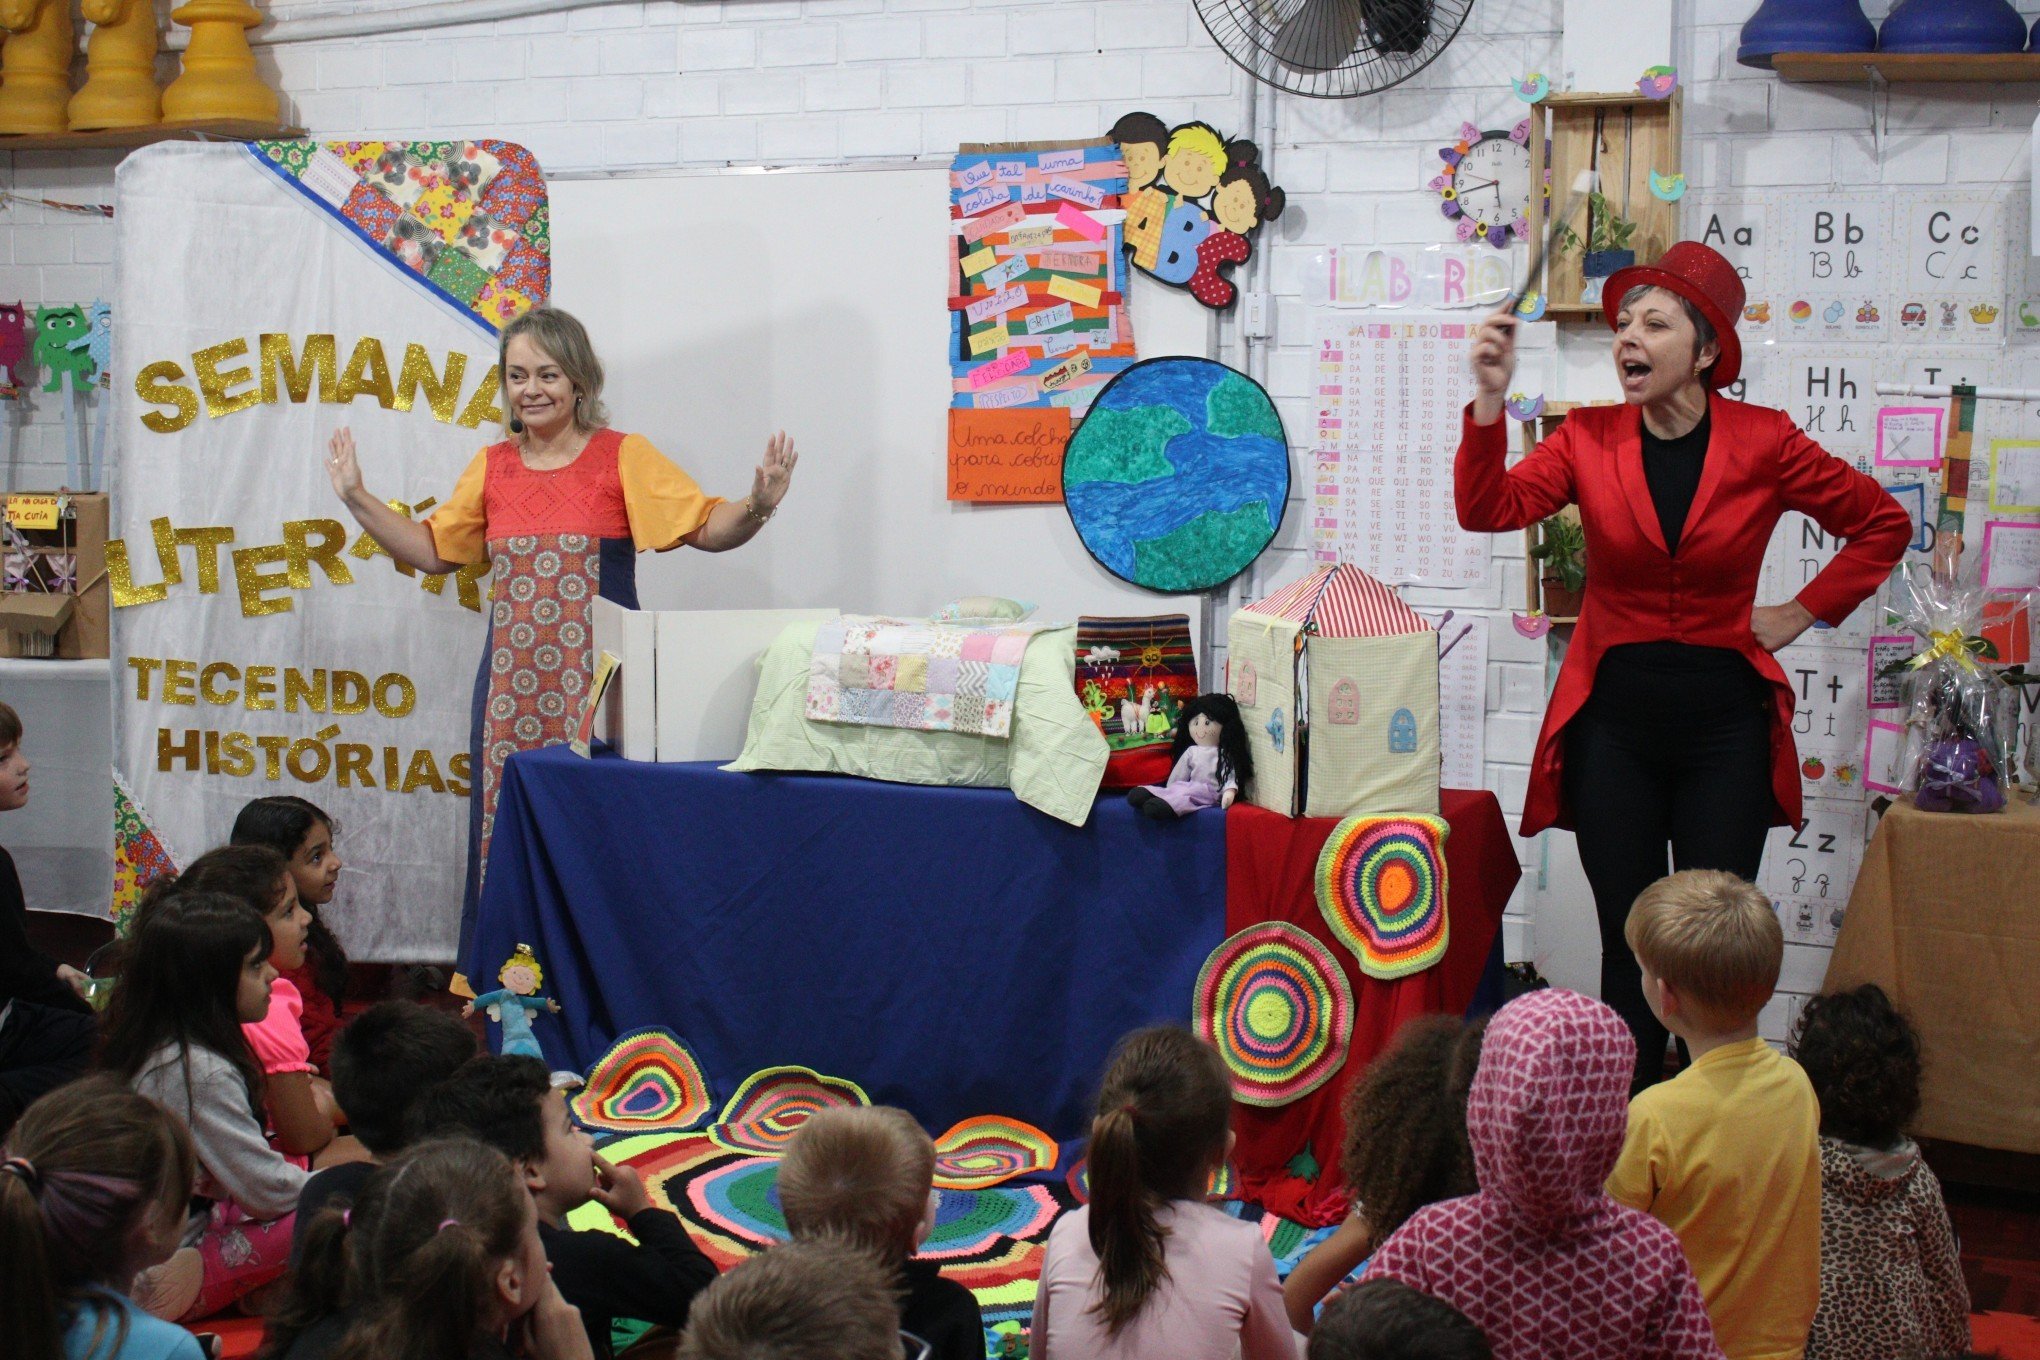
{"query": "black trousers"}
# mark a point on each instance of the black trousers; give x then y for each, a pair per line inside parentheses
(1664, 760)
(41, 1048)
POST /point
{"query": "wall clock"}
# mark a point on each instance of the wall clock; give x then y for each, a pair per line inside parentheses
(1486, 184)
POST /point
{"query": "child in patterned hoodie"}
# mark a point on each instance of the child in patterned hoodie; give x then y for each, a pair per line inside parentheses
(1890, 1277)
(1541, 1259)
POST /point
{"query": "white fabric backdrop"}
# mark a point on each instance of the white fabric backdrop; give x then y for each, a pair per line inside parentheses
(212, 248)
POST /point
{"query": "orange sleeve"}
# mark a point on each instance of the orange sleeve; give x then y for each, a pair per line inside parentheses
(460, 526)
(664, 503)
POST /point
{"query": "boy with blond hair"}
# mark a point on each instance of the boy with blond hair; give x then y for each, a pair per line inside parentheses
(865, 1175)
(1727, 1153)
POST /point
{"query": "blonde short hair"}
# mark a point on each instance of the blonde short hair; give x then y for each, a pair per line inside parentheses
(817, 1300)
(1714, 937)
(860, 1173)
(561, 337)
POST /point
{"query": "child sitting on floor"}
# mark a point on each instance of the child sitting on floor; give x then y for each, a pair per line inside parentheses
(301, 1107)
(1405, 1147)
(304, 835)
(1891, 1284)
(1727, 1153)
(510, 1103)
(196, 971)
(866, 1174)
(453, 1266)
(1388, 1320)
(93, 1190)
(1147, 1270)
(799, 1301)
(383, 1061)
(1540, 1258)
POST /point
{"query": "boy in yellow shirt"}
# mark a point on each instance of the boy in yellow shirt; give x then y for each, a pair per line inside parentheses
(1727, 1153)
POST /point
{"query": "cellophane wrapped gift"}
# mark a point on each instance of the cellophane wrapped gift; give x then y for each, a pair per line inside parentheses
(1959, 715)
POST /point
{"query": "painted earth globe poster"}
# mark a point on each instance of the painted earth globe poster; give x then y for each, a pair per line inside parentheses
(1179, 475)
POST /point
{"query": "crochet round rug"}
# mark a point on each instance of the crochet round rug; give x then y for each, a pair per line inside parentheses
(1381, 886)
(766, 1110)
(985, 1151)
(648, 1079)
(1277, 1007)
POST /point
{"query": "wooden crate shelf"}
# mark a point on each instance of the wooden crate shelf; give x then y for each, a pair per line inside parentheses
(126, 139)
(1637, 136)
(1858, 68)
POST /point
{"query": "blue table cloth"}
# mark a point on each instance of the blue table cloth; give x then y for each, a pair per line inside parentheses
(950, 950)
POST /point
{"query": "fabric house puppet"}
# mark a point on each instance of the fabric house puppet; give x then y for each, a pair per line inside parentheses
(1341, 652)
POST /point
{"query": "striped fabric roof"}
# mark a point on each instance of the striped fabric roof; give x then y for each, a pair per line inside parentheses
(1342, 601)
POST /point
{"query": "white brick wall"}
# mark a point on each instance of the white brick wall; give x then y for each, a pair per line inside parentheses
(791, 81)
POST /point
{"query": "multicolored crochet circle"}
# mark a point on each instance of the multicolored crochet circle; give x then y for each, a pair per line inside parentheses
(766, 1110)
(649, 1079)
(1277, 1007)
(989, 1150)
(1223, 1183)
(1381, 886)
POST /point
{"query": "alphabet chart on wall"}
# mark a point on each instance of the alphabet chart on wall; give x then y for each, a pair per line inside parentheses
(1389, 390)
(1847, 290)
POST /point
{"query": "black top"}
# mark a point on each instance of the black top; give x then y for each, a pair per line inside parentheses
(942, 1313)
(1672, 468)
(26, 973)
(341, 1182)
(606, 1277)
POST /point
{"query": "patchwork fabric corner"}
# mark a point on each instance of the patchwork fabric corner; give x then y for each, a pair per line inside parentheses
(467, 219)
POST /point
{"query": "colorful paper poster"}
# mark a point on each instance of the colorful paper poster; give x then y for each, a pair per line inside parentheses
(1909, 436)
(1195, 201)
(2015, 476)
(1809, 870)
(2011, 555)
(1389, 391)
(1037, 299)
(263, 644)
(1829, 701)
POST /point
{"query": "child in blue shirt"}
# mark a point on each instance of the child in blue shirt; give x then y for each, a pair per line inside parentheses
(93, 1190)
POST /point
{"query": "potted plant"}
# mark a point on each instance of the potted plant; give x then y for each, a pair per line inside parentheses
(1606, 247)
(1561, 553)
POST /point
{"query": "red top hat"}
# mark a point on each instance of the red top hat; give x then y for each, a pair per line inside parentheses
(1700, 275)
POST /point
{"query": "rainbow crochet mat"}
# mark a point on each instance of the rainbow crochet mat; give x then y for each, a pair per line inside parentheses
(649, 1079)
(983, 1152)
(1277, 1007)
(770, 1106)
(1381, 886)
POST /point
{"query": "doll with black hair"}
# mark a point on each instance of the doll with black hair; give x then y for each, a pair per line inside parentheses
(1211, 762)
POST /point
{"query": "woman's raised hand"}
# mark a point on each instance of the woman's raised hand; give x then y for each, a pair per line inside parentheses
(342, 467)
(1494, 354)
(769, 484)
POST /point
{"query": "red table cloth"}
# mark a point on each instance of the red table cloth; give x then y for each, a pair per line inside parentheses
(1271, 867)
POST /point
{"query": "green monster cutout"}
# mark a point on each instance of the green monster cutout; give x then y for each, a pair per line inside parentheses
(55, 329)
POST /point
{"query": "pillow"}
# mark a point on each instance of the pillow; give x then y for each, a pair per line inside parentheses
(974, 607)
(1052, 761)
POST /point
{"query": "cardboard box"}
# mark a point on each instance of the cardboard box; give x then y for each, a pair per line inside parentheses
(79, 533)
(687, 679)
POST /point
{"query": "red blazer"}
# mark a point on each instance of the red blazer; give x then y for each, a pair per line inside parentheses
(1759, 465)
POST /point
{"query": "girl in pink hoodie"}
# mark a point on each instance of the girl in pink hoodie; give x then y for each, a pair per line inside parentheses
(1541, 1259)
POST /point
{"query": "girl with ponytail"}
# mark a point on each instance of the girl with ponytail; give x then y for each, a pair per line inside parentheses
(93, 1186)
(1148, 1270)
(300, 831)
(446, 1264)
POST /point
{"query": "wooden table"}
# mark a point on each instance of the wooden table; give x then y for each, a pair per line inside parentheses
(1946, 918)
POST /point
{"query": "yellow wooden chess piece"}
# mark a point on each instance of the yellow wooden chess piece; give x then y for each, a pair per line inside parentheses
(219, 79)
(120, 68)
(35, 65)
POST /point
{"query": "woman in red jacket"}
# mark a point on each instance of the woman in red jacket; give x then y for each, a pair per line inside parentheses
(1670, 723)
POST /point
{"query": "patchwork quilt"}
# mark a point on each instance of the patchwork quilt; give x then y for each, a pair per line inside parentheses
(918, 674)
